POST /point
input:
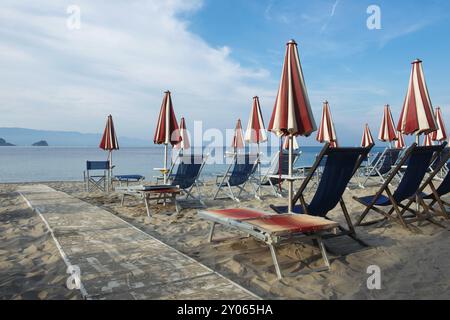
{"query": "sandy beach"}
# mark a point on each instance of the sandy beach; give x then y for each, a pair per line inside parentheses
(413, 264)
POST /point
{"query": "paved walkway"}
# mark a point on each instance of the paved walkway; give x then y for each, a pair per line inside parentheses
(119, 261)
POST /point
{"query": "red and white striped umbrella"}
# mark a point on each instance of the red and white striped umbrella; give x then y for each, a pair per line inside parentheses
(238, 137)
(295, 145)
(167, 127)
(184, 143)
(441, 133)
(256, 131)
(326, 131)
(400, 142)
(367, 139)
(417, 115)
(292, 115)
(428, 140)
(387, 128)
(109, 139)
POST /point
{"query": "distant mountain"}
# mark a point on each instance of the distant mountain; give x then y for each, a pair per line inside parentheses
(41, 143)
(3, 143)
(26, 137)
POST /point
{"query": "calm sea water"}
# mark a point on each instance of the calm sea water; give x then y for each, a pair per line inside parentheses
(37, 164)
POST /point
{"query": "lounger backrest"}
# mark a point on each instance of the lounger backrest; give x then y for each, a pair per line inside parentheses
(443, 155)
(284, 162)
(418, 164)
(389, 159)
(187, 171)
(339, 168)
(444, 187)
(97, 165)
(244, 166)
(376, 158)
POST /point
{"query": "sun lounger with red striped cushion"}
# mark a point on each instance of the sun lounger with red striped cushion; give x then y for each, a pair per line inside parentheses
(273, 229)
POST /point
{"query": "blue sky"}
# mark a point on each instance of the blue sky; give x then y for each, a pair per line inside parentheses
(214, 55)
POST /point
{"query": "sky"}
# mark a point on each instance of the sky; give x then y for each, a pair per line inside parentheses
(214, 56)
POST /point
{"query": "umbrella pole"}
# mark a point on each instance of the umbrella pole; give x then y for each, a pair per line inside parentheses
(259, 169)
(110, 169)
(417, 140)
(165, 164)
(290, 182)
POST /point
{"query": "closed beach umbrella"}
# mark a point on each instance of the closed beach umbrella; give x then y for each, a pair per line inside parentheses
(388, 133)
(292, 115)
(367, 139)
(184, 143)
(417, 115)
(441, 133)
(109, 140)
(326, 131)
(256, 131)
(166, 128)
(400, 142)
(238, 137)
(428, 140)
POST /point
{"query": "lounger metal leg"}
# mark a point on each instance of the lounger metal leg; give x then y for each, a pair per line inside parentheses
(211, 232)
(147, 206)
(123, 200)
(275, 261)
(323, 251)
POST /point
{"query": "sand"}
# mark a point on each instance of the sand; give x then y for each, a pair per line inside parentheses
(30, 264)
(414, 265)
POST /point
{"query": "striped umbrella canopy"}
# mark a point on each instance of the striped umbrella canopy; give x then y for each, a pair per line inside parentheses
(256, 131)
(109, 139)
(326, 131)
(367, 139)
(184, 143)
(417, 115)
(387, 128)
(400, 142)
(295, 145)
(292, 115)
(166, 128)
(441, 133)
(238, 137)
(428, 140)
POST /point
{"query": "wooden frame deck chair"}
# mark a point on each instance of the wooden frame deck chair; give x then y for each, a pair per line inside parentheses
(96, 175)
(383, 166)
(341, 165)
(278, 166)
(436, 194)
(418, 160)
(273, 229)
(238, 174)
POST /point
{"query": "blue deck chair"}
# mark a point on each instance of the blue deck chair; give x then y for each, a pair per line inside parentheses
(279, 166)
(237, 175)
(444, 169)
(383, 165)
(436, 194)
(96, 175)
(187, 175)
(341, 164)
(418, 160)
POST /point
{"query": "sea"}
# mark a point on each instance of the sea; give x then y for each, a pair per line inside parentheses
(44, 164)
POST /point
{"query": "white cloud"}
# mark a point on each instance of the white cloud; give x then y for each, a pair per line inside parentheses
(123, 58)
